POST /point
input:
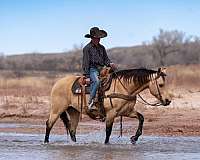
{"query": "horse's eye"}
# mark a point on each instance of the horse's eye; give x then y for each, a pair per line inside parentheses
(161, 85)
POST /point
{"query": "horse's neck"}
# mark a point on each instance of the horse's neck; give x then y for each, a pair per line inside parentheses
(127, 88)
(139, 88)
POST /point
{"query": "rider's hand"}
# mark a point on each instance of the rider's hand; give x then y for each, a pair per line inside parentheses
(87, 80)
(113, 66)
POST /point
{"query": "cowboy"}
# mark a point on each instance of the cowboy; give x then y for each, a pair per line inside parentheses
(94, 59)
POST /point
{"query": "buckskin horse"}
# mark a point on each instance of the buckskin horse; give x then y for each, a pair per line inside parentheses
(120, 99)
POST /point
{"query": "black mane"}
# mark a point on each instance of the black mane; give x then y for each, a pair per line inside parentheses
(141, 75)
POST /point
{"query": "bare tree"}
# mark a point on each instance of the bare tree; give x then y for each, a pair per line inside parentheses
(167, 42)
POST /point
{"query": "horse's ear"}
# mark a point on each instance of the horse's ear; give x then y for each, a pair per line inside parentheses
(162, 71)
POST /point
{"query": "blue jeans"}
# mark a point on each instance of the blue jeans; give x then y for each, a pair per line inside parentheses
(95, 82)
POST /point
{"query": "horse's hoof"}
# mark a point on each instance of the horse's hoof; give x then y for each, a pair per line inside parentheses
(46, 141)
(107, 143)
(133, 141)
(73, 138)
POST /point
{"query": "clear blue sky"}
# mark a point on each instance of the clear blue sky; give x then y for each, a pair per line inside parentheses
(58, 25)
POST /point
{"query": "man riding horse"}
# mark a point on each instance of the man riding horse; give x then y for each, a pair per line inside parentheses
(120, 94)
(94, 59)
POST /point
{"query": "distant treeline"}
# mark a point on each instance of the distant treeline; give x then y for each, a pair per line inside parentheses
(167, 48)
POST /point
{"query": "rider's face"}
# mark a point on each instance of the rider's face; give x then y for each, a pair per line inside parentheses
(95, 40)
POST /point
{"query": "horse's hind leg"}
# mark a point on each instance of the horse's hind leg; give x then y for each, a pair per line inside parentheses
(71, 121)
(49, 124)
(74, 116)
(140, 117)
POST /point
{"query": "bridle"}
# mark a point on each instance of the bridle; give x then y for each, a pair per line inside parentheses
(152, 104)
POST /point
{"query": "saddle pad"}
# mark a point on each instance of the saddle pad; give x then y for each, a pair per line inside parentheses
(76, 87)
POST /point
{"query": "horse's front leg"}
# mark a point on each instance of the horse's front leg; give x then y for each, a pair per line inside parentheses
(109, 124)
(140, 117)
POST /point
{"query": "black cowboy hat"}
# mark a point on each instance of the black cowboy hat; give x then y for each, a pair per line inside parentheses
(96, 33)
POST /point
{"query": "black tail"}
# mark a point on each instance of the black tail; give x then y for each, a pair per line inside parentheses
(65, 120)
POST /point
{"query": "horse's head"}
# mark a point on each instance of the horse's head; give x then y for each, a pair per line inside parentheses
(158, 88)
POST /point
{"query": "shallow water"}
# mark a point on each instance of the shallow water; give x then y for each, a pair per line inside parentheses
(90, 146)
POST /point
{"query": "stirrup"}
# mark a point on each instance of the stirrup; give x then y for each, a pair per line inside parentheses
(91, 106)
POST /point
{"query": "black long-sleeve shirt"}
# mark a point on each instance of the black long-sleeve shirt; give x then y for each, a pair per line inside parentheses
(94, 56)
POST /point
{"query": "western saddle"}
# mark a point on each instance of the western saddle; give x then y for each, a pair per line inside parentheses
(80, 88)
